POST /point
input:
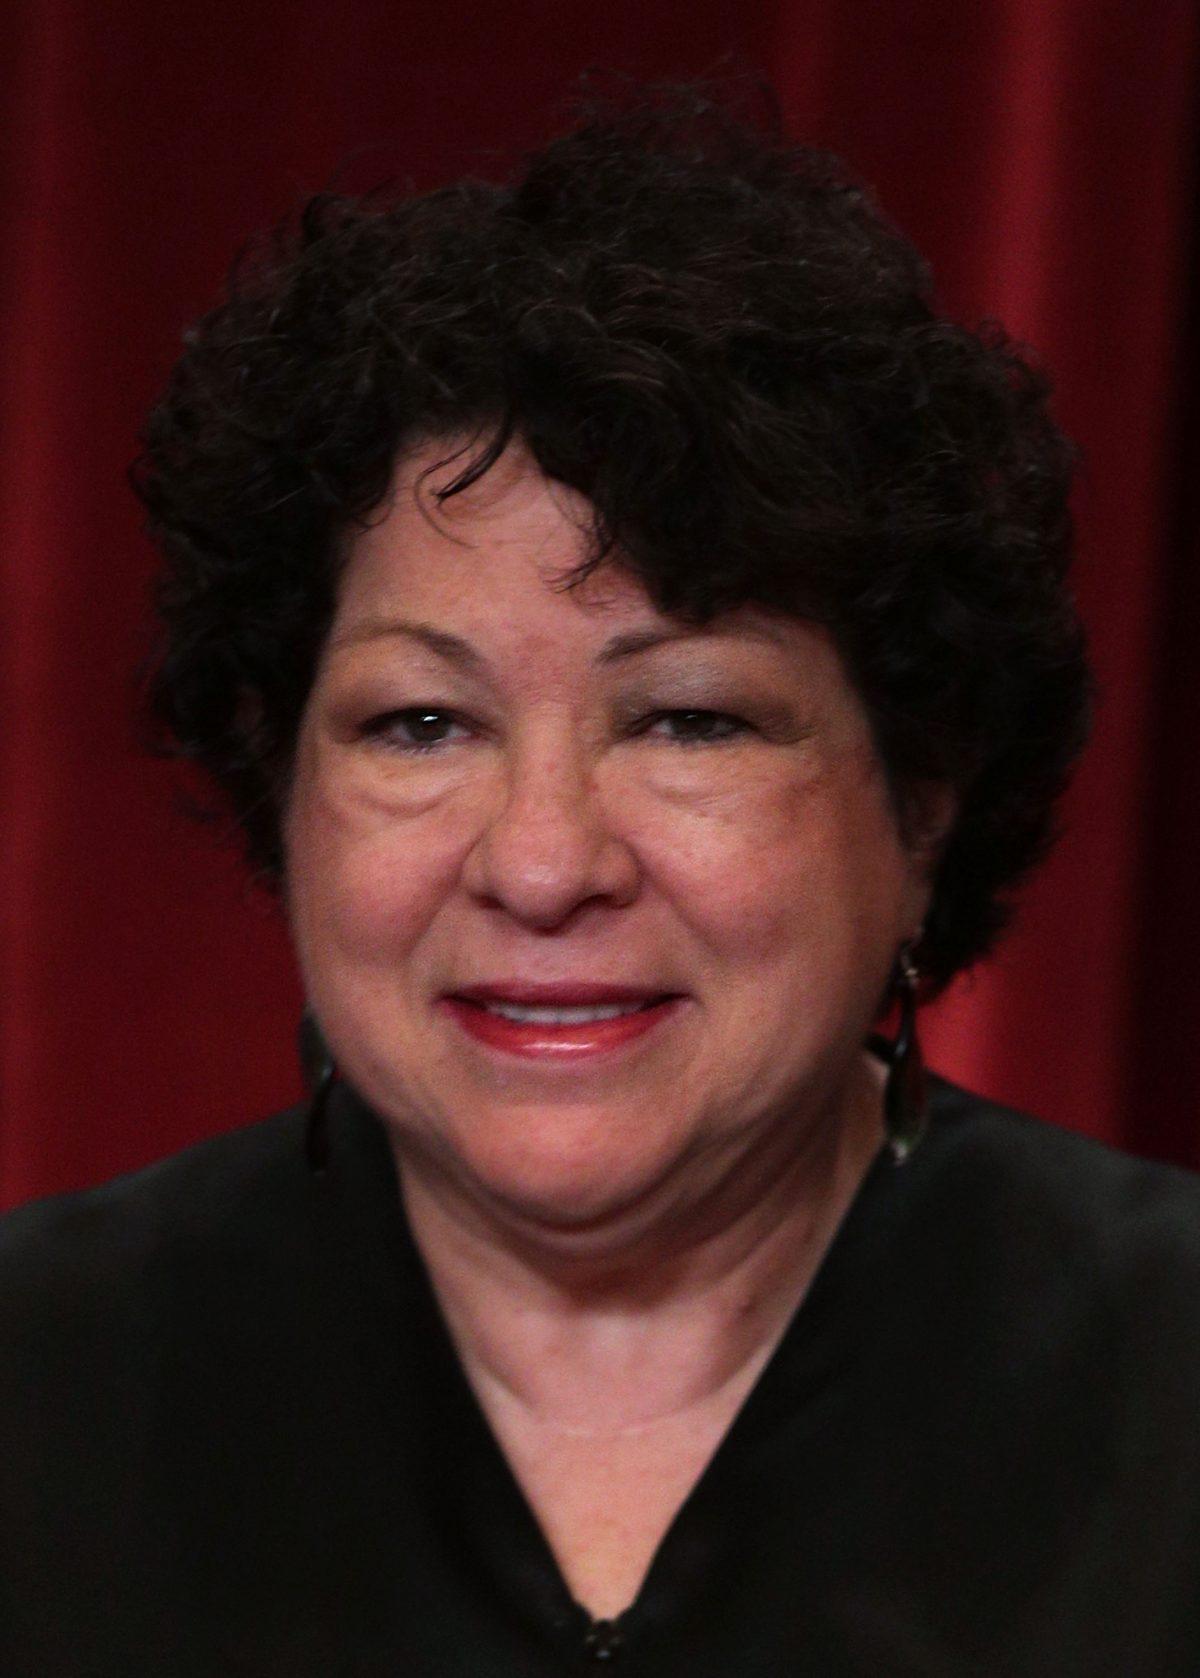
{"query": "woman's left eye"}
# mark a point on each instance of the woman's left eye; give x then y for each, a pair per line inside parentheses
(694, 728)
(417, 728)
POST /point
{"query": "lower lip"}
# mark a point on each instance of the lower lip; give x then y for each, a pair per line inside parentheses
(537, 1041)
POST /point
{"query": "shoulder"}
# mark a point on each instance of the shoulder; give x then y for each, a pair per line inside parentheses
(1093, 1189)
(118, 1307)
(138, 1204)
(1069, 1217)
(90, 1254)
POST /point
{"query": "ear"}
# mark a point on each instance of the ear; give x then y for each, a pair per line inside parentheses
(928, 811)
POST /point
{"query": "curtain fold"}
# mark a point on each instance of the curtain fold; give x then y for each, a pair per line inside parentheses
(1042, 152)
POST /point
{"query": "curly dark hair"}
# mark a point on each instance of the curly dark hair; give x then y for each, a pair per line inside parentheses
(717, 338)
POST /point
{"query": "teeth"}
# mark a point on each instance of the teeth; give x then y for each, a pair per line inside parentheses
(561, 1016)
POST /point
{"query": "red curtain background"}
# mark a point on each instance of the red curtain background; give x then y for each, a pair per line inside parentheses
(1042, 152)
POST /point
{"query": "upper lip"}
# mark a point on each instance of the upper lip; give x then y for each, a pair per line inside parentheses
(558, 993)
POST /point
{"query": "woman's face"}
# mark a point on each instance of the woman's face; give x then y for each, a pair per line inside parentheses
(589, 903)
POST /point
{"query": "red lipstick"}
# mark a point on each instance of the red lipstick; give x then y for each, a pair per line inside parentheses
(564, 1020)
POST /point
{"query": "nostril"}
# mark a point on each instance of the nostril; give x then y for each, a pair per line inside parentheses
(548, 852)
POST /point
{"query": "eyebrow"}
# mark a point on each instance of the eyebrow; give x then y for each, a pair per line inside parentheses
(450, 647)
(457, 651)
(635, 641)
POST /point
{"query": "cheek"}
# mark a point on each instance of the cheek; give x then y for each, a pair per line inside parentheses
(779, 872)
(363, 881)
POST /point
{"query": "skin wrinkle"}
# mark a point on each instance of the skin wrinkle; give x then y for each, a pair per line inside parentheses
(716, 340)
(794, 426)
(706, 803)
(617, 1243)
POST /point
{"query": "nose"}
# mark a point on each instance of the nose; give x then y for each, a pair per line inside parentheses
(547, 845)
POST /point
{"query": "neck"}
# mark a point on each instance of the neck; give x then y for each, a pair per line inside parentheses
(649, 1317)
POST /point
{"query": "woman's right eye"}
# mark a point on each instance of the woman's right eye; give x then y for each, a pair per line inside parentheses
(416, 728)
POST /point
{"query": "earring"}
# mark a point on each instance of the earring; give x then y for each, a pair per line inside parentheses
(904, 1101)
(320, 1072)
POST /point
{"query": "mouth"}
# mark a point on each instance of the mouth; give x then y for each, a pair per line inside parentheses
(565, 1021)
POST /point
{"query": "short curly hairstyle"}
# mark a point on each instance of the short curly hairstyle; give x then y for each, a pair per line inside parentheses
(717, 338)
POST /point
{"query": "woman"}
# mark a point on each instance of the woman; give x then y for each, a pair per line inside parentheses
(630, 626)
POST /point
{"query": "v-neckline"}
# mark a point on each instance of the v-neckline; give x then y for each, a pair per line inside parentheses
(500, 1530)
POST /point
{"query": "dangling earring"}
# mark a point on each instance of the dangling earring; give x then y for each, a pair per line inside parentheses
(320, 1072)
(904, 1102)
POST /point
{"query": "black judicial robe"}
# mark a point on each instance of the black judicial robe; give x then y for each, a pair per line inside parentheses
(234, 1437)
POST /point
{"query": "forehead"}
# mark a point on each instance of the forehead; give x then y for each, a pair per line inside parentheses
(513, 529)
(490, 563)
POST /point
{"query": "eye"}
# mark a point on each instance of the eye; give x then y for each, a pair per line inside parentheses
(417, 728)
(694, 728)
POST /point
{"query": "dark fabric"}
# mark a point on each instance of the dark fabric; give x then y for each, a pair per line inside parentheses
(236, 1439)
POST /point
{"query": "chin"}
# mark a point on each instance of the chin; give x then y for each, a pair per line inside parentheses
(567, 1173)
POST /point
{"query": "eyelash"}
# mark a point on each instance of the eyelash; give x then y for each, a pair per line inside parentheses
(709, 728)
(728, 726)
(383, 727)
